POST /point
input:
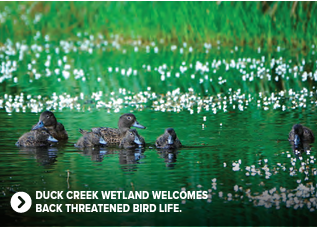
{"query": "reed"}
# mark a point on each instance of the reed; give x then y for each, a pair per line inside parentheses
(254, 23)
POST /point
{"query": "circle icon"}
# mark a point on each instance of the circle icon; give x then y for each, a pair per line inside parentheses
(21, 202)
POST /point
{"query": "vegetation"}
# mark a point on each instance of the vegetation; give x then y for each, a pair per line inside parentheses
(262, 24)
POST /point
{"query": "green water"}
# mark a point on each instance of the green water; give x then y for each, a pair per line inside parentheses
(232, 108)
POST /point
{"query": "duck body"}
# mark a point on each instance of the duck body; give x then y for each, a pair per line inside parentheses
(90, 139)
(131, 140)
(113, 136)
(168, 140)
(301, 134)
(49, 121)
(36, 138)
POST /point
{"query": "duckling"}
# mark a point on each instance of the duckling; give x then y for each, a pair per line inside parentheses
(36, 138)
(300, 134)
(168, 140)
(89, 139)
(113, 136)
(56, 129)
(131, 140)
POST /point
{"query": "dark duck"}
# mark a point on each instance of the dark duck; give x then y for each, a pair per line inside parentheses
(300, 134)
(90, 139)
(131, 140)
(168, 140)
(49, 121)
(36, 138)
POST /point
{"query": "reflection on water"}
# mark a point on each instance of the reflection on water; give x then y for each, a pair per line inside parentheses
(130, 158)
(299, 149)
(96, 153)
(126, 156)
(169, 156)
(43, 155)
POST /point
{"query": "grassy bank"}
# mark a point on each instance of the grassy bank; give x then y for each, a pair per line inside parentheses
(239, 23)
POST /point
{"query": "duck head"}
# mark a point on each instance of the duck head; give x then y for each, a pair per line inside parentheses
(47, 119)
(298, 133)
(132, 137)
(171, 135)
(126, 121)
(95, 139)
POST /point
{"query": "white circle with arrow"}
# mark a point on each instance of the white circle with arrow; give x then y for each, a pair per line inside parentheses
(21, 202)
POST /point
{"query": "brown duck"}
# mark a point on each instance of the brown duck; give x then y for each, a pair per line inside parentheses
(113, 136)
(56, 129)
(36, 138)
(131, 140)
(168, 139)
(89, 139)
(300, 134)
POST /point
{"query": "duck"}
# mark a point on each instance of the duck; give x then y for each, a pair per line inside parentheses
(131, 140)
(89, 139)
(113, 136)
(301, 134)
(36, 138)
(49, 121)
(168, 140)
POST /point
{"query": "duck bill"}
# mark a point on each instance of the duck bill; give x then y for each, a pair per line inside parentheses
(296, 140)
(38, 125)
(137, 140)
(170, 140)
(102, 141)
(52, 139)
(137, 125)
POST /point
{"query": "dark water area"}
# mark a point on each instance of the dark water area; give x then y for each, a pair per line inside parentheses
(232, 109)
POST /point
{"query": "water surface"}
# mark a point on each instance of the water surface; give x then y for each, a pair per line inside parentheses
(232, 108)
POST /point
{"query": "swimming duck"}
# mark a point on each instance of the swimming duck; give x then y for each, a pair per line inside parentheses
(56, 129)
(36, 138)
(300, 134)
(89, 139)
(113, 136)
(131, 139)
(168, 139)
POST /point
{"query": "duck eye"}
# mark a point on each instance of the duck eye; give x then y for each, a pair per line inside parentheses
(129, 117)
(47, 116)
(131, 134)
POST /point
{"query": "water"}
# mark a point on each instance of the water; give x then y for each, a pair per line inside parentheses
(232, 108)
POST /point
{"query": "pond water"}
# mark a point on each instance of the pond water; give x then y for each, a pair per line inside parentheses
(232, 108)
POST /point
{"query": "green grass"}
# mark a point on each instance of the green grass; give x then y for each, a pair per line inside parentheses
(238, 23)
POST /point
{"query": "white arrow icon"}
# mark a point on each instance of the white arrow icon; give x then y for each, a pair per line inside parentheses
(21, 202)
